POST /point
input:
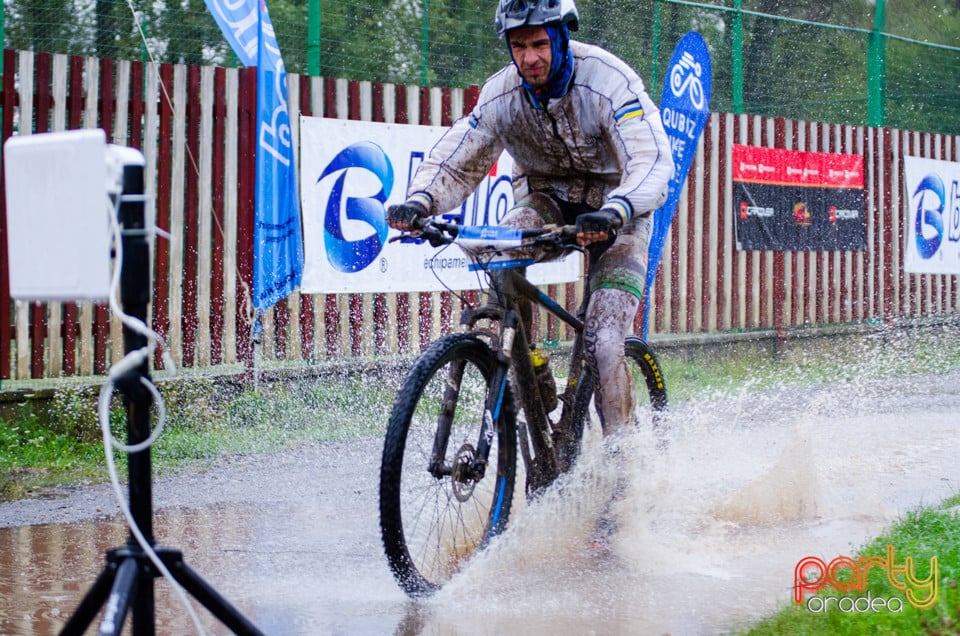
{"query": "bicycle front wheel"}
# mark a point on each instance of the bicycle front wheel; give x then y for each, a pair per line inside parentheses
(441, 499)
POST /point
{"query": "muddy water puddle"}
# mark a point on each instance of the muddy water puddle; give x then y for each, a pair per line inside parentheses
(709, 532)
(47, 569)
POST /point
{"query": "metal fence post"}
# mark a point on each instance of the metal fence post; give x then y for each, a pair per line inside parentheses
(313, 38)
(656, 45)
(424, 40)
(877, 69)
(736, 58)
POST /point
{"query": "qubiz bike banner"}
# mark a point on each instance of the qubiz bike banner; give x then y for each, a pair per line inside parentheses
(684, 108)
(932, 216)
(792, 200)
(351, 171)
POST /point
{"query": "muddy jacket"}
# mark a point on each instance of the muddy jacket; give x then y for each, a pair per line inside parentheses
(602, 142)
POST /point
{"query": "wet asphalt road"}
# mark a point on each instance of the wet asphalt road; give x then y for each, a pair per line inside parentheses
(709, 532)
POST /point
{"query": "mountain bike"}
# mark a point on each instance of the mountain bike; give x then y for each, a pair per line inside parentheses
(449, 464)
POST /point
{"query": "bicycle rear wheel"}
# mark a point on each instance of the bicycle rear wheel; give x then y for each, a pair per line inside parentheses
(436, 508)
(650, 395)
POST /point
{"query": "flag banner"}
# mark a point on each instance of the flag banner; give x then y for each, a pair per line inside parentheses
(932, 216)
(792, 200)
(238, 22)
(277, 235)
(351, 171)
(684, 108)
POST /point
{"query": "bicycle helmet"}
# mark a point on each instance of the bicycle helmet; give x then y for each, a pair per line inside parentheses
(516, 13)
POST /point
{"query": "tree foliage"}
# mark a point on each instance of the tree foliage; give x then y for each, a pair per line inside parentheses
(790, 66)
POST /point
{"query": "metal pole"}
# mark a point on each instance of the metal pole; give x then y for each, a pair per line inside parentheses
(3, 32)
(423, 44)
(877, 69)
(736, 58)
(656, 45)
(313, 38)
(135, 289)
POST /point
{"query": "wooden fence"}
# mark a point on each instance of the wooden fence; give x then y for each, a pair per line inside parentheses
(195, 126)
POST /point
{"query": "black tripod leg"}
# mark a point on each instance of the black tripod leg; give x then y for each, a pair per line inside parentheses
(124, 590)
(211, 599)
(91, 603)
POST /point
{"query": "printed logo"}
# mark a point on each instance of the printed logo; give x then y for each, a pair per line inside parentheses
(747, 210)
(846, 574)
(685, 78)
(801, 214)
(929, 214)
(343, 254)
(842, 214)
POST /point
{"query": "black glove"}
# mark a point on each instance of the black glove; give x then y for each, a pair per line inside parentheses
(405, 215)
(603, 220)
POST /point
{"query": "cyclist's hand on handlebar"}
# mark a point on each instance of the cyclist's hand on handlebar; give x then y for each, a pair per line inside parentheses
(408, 216)
(598, 226)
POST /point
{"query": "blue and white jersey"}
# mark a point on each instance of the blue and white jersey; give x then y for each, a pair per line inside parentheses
(601, 143)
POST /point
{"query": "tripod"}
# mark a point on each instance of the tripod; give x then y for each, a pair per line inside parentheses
(128, 577)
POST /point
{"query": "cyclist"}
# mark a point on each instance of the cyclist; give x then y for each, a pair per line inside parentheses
(589, 148)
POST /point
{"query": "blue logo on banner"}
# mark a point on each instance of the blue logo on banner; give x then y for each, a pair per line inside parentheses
(352, 256)
(684, 107)
(933, 217)
(277, 234)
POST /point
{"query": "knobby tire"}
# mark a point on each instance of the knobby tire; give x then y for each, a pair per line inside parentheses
(432, 523)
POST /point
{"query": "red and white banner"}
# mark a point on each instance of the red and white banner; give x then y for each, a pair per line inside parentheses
(791, 200)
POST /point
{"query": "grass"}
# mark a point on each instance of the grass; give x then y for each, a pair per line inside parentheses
(921, 535)
(204, 421)
(718, 370)
(32, 456)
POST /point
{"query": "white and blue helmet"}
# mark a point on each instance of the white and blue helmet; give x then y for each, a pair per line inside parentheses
(517, 13)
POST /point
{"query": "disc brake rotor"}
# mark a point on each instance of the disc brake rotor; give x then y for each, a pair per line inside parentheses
(462, 483)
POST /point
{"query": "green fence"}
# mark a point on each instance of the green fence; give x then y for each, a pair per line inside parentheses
(852, 62)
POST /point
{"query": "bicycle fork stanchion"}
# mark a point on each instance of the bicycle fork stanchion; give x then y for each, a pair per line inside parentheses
(127, 580)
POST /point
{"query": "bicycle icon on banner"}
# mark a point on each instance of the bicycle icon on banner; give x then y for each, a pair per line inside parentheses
(685, 77)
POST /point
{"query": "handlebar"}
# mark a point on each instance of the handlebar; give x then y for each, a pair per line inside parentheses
(437, 233)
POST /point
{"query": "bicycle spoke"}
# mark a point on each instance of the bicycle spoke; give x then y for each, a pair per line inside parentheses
(435, 512)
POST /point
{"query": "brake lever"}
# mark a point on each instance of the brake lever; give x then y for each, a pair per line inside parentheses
(560, 241)
(422, 227)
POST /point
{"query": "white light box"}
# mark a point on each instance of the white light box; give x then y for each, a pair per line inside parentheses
(58, 224)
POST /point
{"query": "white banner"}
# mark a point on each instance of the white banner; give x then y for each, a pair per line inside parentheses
(350, 171)
(932, 216)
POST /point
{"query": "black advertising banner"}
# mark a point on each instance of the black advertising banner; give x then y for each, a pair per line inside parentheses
(804, 201)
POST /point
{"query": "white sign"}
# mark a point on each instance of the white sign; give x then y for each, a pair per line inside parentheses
(932, 216)
(350, 171)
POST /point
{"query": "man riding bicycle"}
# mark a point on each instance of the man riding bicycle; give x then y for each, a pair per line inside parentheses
(589, 148)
